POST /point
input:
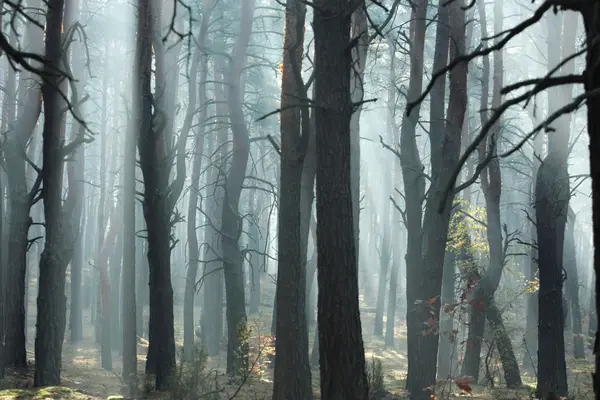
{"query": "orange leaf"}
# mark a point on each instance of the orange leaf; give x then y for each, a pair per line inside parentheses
(463, 383)
(448, 308)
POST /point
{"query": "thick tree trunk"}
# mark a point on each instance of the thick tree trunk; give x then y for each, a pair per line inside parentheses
(414, 190)
(341, 347)
(60, 238)
(551, 201)
(20, 200)
(551, 209)
(292, 370)
(591, 18)
(157, 213)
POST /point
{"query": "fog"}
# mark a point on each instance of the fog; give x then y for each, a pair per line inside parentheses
(399, 192)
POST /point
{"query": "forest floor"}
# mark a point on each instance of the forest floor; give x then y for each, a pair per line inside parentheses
(84, 379)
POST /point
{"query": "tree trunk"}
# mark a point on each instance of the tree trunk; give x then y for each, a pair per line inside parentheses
(115, 268)
(237, 346)
(107, 327)
(391, 309)
(157, 213)
(341, 350)
(386, 250)
(212, 315)
(425, 269)
(447, 332)
(292, 370)
(60, 238)
(491, 185)
(570, 265)
(360, 33)
(129, 306)
(551, 202)
(199, 66)
(20, 199)
(591, 75)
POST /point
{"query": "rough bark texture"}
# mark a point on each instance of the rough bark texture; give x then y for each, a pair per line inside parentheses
(292, 370)
(414, 190)
(551, 203)
(59, 241)
(591, 18)
(20, 199)
(342, 357)
(360, 33)
(151, 145)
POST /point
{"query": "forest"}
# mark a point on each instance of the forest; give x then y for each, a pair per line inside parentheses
(298, 200)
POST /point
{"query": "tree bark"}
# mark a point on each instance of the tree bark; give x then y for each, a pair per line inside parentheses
(157, 212)
(60, 226)
(342, 357)
(551, 203)
(20, 200)
(292, 370)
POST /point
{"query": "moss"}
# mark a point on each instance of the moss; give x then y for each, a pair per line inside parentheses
(51, 392)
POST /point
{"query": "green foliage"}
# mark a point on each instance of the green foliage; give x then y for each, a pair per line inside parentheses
(467, 235)
(375, 375)
(193, 380)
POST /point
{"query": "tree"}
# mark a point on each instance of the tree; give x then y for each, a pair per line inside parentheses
(128, 301)
(590, 78)
(198, 69)
(342, 357)
(157, 209)
(231, 227)
(551, 206)
(20, 201)
(483, 304)
(61, 224)
(292, 370)
(426, 250)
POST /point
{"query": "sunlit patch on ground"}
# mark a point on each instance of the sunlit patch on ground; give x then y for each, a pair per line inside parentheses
(48, 393)
(83, 377)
